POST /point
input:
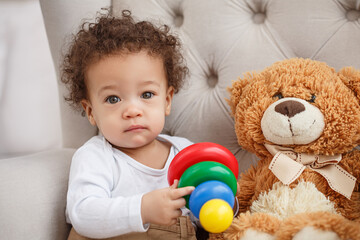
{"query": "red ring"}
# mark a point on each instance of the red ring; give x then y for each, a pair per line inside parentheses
(200, 152)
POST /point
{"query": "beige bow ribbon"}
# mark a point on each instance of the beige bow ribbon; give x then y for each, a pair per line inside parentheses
(288, 165)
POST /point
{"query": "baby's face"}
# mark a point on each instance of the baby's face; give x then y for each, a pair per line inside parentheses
(128, 98)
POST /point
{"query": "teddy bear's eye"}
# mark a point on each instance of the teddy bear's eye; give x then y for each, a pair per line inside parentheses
(278, 95)
(312, 99)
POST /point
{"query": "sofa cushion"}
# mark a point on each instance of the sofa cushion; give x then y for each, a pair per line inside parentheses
(33, 195)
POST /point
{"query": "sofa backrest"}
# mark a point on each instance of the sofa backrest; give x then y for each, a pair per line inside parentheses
(29, 104)
(222, 40)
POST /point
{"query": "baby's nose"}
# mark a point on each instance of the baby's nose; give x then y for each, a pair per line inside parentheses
(132, 111)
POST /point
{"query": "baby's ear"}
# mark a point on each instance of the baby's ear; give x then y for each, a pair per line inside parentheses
(236, 90)
(351, 78)
(86, 105)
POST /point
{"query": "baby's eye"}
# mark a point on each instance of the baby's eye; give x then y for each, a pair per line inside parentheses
(147, 95)
(278, 95)
(113, 99)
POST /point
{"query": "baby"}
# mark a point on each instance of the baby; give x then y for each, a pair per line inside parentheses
(123, 75)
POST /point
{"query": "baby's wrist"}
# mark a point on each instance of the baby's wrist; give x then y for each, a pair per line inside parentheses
(143, 210)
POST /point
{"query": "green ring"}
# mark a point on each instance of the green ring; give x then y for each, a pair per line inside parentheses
(206, 171)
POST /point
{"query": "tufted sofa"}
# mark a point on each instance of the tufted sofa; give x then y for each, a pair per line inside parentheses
(222, 40)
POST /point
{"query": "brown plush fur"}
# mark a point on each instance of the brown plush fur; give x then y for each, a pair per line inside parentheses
(344, 228)
(300, 78)
(338, 99)
(286, 230)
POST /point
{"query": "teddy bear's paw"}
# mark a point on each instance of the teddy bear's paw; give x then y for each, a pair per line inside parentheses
(318, 226)
(253, 226)
(311, 233)
(249, 234)
(252, 234)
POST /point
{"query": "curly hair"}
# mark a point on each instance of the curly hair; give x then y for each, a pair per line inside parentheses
(110, 35)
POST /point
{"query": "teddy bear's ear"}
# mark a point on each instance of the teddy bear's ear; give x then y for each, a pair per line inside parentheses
(351, 78)
(236, 90)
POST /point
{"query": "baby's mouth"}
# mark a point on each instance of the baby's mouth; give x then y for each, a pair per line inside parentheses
(135, 128)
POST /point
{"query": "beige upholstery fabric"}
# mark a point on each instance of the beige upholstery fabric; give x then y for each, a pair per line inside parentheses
(33, 195)
(222, 40)
(29, 105)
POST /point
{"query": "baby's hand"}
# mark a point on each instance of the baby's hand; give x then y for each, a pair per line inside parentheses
(162, 206)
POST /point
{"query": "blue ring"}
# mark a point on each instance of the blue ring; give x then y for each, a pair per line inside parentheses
(208, 190)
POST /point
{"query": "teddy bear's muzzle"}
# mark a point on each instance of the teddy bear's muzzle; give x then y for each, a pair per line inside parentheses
(291, 121)
(289, 108)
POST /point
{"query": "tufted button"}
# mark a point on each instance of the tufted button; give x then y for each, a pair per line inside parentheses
(178, 20)
(259, 18)
(212, 80)
(353, 15)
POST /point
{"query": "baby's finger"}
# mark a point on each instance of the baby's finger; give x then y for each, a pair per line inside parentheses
(177, 213)
(175, 184)
(173, 221)
(174, 216)
(179, 203)
(180, 192)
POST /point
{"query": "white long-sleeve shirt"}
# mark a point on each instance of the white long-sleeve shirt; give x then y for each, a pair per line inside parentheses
(106, 187)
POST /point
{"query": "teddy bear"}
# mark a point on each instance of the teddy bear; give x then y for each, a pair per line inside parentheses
(302, 120)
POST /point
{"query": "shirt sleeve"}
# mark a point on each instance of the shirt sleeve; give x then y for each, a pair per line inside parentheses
(90, 208)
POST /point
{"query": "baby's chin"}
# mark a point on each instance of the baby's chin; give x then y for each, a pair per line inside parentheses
(134, 143)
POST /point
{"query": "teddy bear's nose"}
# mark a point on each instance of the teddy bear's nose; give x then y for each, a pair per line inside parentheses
(290, 108)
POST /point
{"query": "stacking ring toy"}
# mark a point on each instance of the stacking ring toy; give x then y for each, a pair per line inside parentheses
(200, 152)
(205, 171)
(209, 190)
(212, 170)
